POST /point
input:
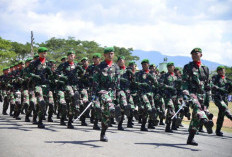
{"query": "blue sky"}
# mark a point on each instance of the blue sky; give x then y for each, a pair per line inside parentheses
(173, 27)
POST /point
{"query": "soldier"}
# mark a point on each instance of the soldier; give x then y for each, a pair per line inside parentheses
(195, 78)
(220, 94)
(96, 109)
(38, 72)
(5, 90)
(83, 90)
(146, 83)
(106, 82)
(168, 82)
(69, 73)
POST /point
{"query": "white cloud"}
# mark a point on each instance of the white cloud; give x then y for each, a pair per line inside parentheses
(146, 25)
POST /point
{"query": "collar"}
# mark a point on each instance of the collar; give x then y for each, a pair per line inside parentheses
(109, 63)
(123, 67)
(222, 76)
(146, 71)
(42, 60)
(198, 63)
(172, 73)
(71, 63)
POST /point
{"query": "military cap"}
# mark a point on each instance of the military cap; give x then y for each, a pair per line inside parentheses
(11, 66)
(108, 49)
(52, 61)
(70, 52)
(36, 55)
(152, 65)
(220, 67)
(196, 50)
(177, 68)
(84, 58)
(21, 62)
(96, 55)
(64, 57)
(145, 61)
(29, 59)
(131, 63)
(170, 64)
(42, 49)
(4, 69)
(121, 57)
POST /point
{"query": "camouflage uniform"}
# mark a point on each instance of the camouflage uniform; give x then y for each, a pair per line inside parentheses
(220, 94)
(106, 83)
(39, 73)
(70, 72)
(146, 83)
(168, 81)
(195, 78)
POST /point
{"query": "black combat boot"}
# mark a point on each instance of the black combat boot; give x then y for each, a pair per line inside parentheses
(209, 125)
(161, 122)
(174, 124)
(40, 123)
(130, 123)
(50, 118)
(27, 118)
(190, 140)
(103, 132)
(201, 128)
(70, 126)
(143, 126)
(168, 128)
(218, 131)
(150, 124)
(95, 125)
(34, 120)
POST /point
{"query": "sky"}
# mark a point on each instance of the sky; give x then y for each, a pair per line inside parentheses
(172, 27)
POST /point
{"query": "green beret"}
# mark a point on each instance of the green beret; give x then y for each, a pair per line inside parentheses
(42, 49)
(145, 61)
(52, 61)
(36, 55)
(64, 57)
(29, 59)
(21, 62)
(131, 63)
(11, 66)
(152, 65)
(4, 69)
(121, 57)
(70, 52)
(96, 55)
(75, 62)
(170, 64)
(196, 50)
(84, 58)
(108, 49)
(220, 67)
(177, 68)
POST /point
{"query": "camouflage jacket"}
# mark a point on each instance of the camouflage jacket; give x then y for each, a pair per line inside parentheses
(195, 79)
(106, 77)
(219, 87)
(168, 84)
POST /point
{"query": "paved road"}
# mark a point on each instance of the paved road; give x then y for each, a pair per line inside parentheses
(18, 138)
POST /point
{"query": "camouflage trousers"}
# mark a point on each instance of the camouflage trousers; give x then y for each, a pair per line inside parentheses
(169, 105)
(41, 102)
(6, 99)
(147, 106)
(198, 114)
(62, 105)
(84, 101)
(126, 102)
(72, 99)
(160, 106)
(222, 105)
(107, 106)
(48, 97)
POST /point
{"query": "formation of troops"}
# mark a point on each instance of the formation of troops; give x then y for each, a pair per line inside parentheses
(107, 92)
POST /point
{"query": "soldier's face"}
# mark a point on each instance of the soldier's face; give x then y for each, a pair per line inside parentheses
(109, 56)
(71, 57)
(178, 73)
(27, 63)
(43, 54)
(222, 72)
(121, 62)
(145, 66)
(5, 72)
(171, 68)
(152, 68)
(96, 60)
(133, 67)
(196, 56)
(85, 63)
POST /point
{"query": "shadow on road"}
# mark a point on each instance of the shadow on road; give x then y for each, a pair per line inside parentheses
(180, 146)
(85, 143)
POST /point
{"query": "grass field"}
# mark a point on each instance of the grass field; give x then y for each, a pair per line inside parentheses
(227, 125)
